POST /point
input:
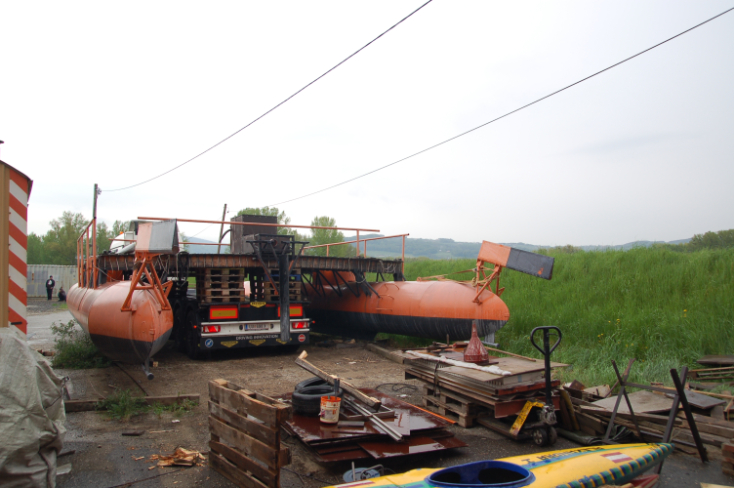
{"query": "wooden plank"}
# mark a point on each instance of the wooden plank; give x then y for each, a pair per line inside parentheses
(91, 405)
(242, 402)
(244, 463)
(591, 422)
(243, 442)
(657, 419)
(717, 360)
(270, 437)
(642, 401)
(348, 387)
(386, 353)
(284, 412)
(230, 471)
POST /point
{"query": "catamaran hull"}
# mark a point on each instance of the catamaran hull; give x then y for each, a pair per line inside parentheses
(431, 309)
(128, 336)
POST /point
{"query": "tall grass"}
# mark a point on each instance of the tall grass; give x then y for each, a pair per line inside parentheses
(667, 309)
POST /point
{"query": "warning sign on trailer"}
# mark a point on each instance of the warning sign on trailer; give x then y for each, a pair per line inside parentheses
(301, 338)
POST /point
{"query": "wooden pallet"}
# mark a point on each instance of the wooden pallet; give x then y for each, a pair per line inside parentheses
(245, 435)
(450, 404)
(221, 285)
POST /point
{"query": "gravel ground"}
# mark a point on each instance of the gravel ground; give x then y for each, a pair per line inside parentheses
(104, 458)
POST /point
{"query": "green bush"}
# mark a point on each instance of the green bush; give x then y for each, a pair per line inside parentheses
(74, 348)
(121, 405)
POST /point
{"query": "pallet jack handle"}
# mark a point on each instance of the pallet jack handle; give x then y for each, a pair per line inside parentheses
(546, 351)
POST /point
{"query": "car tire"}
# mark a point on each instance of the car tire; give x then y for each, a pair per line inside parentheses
(315, 381)
(308, 401)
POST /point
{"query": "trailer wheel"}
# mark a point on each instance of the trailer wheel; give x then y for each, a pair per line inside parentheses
(552, 436)
(179, 327)
(192, 341)
(540, 437)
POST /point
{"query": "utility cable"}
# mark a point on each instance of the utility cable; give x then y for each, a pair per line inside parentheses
(278, 105)
(502, 116)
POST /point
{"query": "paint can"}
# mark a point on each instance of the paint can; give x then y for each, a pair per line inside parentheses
(330, 409)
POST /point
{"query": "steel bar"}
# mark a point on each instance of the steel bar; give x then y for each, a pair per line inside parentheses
(621, 381)
(379, 423)
(681, 393)
(348, 387)
(261, 224)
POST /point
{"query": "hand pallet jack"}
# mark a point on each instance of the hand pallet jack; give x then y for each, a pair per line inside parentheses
(540, 429)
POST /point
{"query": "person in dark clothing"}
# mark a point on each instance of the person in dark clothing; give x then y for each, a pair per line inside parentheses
(50, 284)
(62, 294)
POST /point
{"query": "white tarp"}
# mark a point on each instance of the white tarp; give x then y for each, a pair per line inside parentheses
(31, 415)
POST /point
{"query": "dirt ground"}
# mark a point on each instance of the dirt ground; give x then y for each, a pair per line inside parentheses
(105, 458)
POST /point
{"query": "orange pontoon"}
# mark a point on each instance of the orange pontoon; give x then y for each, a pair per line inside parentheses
(423, 308)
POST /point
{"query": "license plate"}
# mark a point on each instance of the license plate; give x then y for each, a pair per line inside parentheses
(257, 326)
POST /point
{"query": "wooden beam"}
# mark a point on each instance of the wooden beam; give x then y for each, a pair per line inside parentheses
(349, 388)
(91, 405)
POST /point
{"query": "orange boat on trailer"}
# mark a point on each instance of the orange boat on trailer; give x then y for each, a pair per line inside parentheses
(431, 307)
(128, 321)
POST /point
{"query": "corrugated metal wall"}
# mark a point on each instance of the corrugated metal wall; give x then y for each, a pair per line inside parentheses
(38, 274)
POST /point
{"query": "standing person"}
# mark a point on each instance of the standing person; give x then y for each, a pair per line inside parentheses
(50, 284)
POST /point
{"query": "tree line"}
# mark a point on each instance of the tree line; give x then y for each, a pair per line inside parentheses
(58, 245)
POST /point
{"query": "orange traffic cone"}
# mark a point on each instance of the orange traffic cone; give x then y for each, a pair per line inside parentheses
(475, 351)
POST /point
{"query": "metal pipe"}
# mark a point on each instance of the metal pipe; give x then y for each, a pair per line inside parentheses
(261, 224)
(395, 435)
(361, 240)
(221, 229)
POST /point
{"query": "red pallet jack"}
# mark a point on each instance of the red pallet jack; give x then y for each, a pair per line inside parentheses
(543, 416)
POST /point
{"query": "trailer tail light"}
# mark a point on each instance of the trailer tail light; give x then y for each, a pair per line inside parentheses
(296, 311)
(300, 325)
(223, 312)
(211, 328)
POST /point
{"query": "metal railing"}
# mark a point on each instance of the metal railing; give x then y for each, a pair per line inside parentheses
(86, 258)
(359, 241)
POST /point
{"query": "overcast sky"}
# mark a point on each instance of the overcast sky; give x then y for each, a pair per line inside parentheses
(117, 92)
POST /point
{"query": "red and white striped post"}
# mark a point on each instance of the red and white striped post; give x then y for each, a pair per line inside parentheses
(16, 188)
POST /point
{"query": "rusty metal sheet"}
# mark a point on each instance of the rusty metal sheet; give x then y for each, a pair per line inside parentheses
(412, 445)
(698, 400)
(642, 402)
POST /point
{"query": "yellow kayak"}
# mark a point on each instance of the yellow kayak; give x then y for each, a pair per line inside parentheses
(584, 467)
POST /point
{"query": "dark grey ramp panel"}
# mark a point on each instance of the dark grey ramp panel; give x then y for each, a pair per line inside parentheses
(531, 263)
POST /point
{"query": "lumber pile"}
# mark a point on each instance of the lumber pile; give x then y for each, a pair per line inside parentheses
(465, 394)
(652, 416)
(727, 462)
(245, 435)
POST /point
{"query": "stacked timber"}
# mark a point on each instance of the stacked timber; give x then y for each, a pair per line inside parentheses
(652, 412)
(220, 285)
(463, 393)
(245, 435)
(727, 462)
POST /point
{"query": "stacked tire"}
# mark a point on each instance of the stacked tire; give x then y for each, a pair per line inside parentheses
(307, 395)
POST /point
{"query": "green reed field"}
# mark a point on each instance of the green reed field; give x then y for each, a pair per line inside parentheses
(665, 308)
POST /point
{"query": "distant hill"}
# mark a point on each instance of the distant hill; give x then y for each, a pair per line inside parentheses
(432, 248)
(450, 249)
(194, 249)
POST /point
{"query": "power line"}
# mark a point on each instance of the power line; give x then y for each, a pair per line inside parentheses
(502, 116)
(278, 105)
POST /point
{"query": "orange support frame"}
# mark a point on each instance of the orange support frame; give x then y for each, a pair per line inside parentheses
(144, 266)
